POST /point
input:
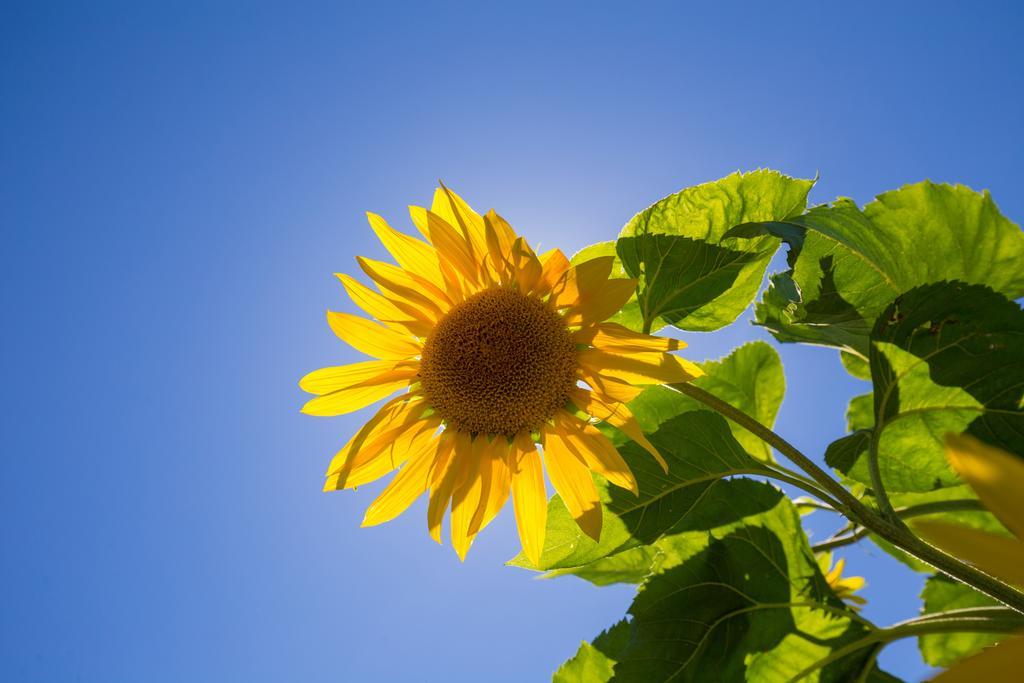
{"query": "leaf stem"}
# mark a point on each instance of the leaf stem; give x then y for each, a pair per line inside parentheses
(968, 620)
(853, 533)
(892, 530)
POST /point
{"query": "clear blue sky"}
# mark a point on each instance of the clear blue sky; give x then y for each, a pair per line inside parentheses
(179, 182)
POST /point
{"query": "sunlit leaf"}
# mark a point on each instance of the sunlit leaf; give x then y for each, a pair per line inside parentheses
(692, 275)
(942, 649)
(853, 262)
(947, 357)
(700, 450)
(749, 605)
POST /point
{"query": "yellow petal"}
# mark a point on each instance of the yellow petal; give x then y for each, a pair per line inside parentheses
(429, 301)
(617, 415)
(572, 479)
(1001, 557)
(529, 497)
(554, 266)
(327, 380)
(601, 302)
(371, 338)
(526, 267)
(500, 238)
(383, 309)
(451, 246)
(595, 450)
(344, 390)
(442, 484)
(616, 338)
(363, 470)
(647, 367)
(997, 664)
(394, 417)
(588, 276)
(996, 476)
(609, 388)
(411, 481)
(468, 499)
(452, 208)
(497, 453)
(410, 253)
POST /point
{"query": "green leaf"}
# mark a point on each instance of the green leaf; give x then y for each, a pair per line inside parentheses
(853, 262)
(942, 649)
(749, 605)
(855, 365)
(980, 519)
(693, 276)
(947, 357)
(591, 663)
(699, 449)
(750, 379)
(628, 566)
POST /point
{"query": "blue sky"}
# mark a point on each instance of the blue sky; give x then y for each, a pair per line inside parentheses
(178, 182)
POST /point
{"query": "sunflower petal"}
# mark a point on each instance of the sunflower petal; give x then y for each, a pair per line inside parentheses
(529, 497)
(429, 301)
(459, 214)
(579, 280)
(574, 483)
(468, 496)
(554, 266)
(602, 302)
(371, 338)
(615, 338)
(383, 309)
(410, 253)
(608, 388)
(362, 469)
(647, 367)
(410, 482)
(349, 388)
(452, 246)
(999, 556)
(594, 449)
(996, 476)
(501, 481)
(394, 417)
(617, 415)
(442, 484)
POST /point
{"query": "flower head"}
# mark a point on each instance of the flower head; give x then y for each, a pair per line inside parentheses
(495, 349)
(845, 588)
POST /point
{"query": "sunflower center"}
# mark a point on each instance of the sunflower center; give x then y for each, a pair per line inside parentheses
(499, 363)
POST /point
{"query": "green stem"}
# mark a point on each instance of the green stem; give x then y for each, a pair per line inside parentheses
(953, 621)
(877, 485)
(892, 530)
(845, 501)
(850, 535)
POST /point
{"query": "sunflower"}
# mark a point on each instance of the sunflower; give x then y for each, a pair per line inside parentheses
(495, 350)
(845, 587)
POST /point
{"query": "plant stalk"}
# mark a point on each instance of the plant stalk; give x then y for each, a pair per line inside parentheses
(894, 531)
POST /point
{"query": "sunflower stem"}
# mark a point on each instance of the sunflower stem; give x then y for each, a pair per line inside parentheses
(953, 621)
(892, 530)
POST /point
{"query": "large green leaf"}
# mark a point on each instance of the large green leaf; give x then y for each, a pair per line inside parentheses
(699, 449)
(692, 275)
(750, 379)
(853, 261)
(751, 604)
(946, 357)
(942, 649)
